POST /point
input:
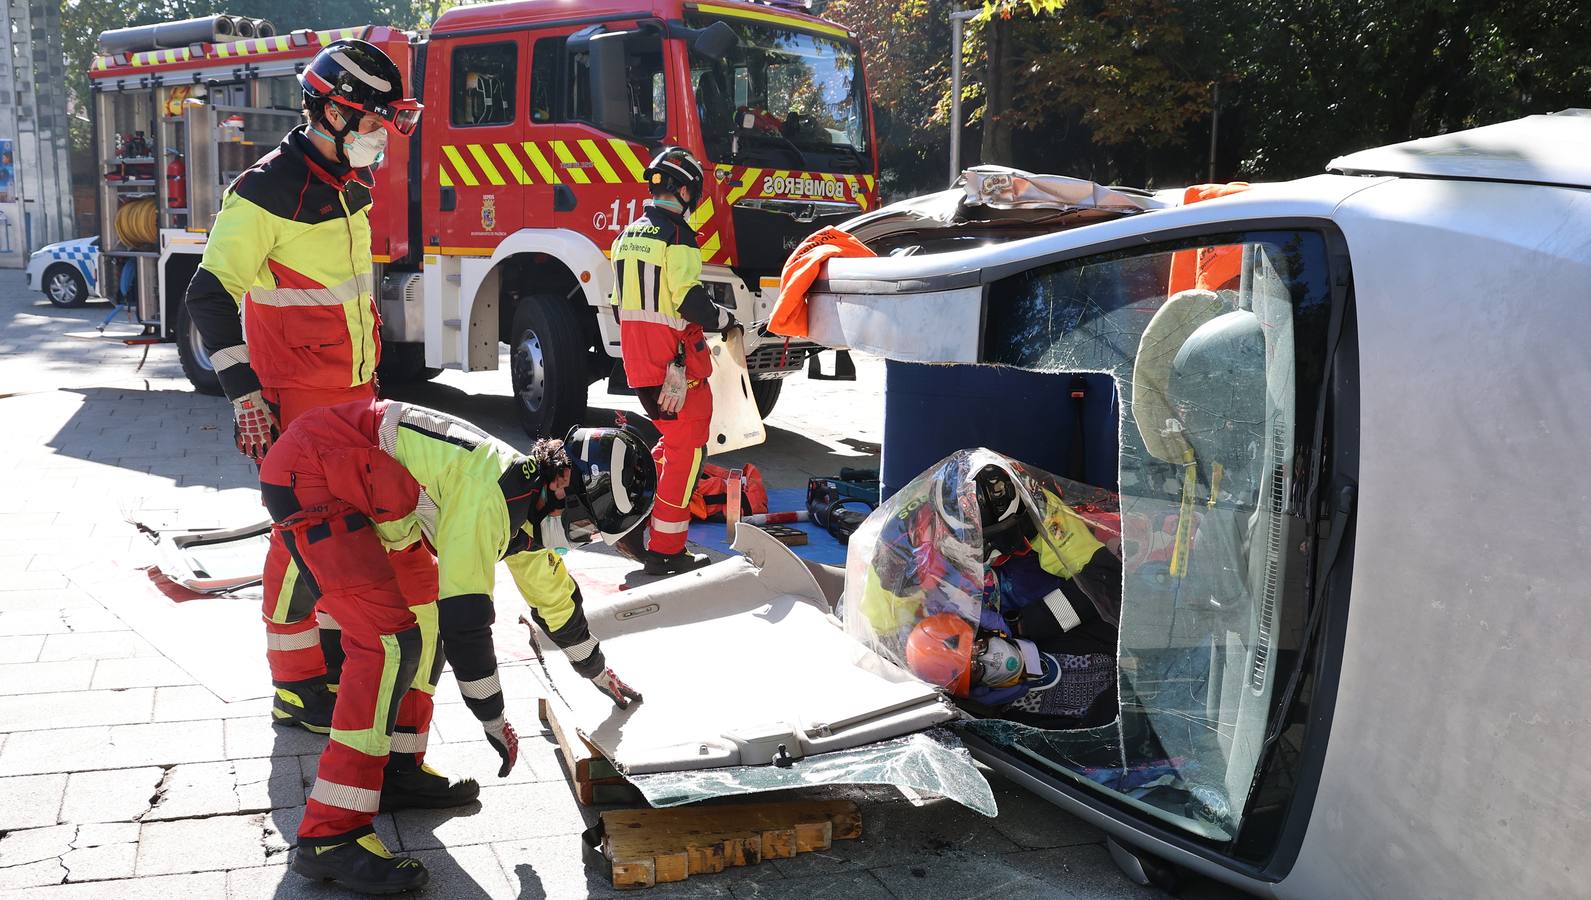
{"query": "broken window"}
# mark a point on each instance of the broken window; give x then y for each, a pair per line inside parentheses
(1217, 349)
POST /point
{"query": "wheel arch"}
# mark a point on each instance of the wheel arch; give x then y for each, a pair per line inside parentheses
(555, 260)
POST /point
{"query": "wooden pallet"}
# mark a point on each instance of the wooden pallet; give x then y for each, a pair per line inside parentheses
(656, 846)
(594, 778)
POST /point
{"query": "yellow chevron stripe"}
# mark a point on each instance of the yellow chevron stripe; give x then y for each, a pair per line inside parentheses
(702, 215)
(709, 248)
(575, 172)
(223, 50)
(594, 153)
(485, 162)
(443, 176)
(548, 173)
(748, 179)
(621, 149)
(460, 165)
(869, 180)
(511, 160)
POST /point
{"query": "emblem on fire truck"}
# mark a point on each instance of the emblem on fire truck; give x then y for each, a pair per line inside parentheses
(488, 213)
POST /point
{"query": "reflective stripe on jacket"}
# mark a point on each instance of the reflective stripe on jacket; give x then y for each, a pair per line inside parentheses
(290, 250)
(662, 306)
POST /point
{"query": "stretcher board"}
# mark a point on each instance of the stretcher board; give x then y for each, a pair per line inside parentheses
(736, 421)
(210, 562)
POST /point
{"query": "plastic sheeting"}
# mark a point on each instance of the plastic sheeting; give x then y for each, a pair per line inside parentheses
(922, 552)
(929, 762)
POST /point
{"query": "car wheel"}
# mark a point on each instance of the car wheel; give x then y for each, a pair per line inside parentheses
(64, 286)
(547, 356)
(766, 392)
(190, 352)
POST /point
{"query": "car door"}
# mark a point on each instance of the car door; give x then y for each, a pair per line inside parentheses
(480, 167)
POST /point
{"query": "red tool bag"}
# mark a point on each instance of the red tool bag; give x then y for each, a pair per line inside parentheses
(707, 503)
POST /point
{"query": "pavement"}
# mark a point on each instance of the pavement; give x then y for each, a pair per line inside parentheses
(137, 758)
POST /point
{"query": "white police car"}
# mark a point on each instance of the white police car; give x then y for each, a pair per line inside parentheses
(64, 271)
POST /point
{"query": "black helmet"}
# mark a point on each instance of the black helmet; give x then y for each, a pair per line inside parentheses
(673, 168)
(358, 75)
(1007, 526)
(615, 478)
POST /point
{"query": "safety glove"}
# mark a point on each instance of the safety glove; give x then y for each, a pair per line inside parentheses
(505, 741)
(255, 427)
(609, 683)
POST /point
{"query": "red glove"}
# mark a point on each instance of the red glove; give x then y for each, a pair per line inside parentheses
(609, 684)
(501, 736)
(255, 426)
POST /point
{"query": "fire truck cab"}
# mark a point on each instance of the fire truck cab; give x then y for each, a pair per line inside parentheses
(493, 224)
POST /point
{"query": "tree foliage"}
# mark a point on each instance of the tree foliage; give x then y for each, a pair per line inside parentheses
(1124, 90)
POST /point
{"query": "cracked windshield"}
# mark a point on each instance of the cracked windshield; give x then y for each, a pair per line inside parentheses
(784, 99)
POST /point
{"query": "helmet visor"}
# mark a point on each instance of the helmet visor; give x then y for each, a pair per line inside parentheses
(400, 116)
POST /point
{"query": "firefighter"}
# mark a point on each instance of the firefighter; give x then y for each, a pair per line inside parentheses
(343, 484)
(290, 253)
(663, 311)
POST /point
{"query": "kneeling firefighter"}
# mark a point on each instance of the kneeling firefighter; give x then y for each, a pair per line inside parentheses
(663, 311)
(345, 484)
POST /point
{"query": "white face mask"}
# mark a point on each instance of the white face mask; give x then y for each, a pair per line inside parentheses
(365, 149)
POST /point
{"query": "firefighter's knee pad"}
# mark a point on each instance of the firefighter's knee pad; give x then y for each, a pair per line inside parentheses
(409, 647)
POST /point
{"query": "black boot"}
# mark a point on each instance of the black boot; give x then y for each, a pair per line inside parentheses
(425, 788)
(673, 563)
(306, 704)
(363, 865)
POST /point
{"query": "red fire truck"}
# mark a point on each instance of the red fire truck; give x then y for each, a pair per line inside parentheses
(492, 225)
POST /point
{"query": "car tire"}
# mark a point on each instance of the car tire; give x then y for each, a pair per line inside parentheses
(190, 352)
(65, 286)
(547, 356)
(766, 392)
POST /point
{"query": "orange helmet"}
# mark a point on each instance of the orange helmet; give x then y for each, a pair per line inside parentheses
(939, 650)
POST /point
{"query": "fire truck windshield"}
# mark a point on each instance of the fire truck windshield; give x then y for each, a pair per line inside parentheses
(783, 98)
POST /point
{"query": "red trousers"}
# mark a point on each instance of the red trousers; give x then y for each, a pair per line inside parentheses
(344, 568)
(679, 454)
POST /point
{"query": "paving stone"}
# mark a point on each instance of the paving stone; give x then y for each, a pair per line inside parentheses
(538, 761)
(33, 712)
(31, 801)
(847, 885)
(44, 678)
(103, 834)
(42, 621)
(247, 785)
(206, 885)
(96, 645)
(956, 874)
(20, 649)
(895, 831)
(189, 702)
(37, 601)
(1034, 823)
(33, 845)
(116, 795)
(561, 867)
(49, 871)
(256, 736)
(92, 618)
(101, 863)
(34, 581)
(198, 845)
(502, 814)
(153, 671)
(1085, 871)
(88, 749)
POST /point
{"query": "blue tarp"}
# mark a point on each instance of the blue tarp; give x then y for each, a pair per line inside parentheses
(821, 547)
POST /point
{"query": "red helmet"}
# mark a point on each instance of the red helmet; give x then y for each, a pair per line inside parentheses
(939, 650)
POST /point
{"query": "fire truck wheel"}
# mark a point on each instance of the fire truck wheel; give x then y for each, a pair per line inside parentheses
(547, 351)
(766, 393)
(190, 351)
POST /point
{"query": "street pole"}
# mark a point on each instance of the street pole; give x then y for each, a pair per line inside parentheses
(1215, 123)
(956, 20)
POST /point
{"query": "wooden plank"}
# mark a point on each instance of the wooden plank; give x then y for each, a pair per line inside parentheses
(595, 779)
(655, 846)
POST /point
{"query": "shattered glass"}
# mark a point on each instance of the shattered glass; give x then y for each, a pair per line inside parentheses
(928, 762)
(1214, 346)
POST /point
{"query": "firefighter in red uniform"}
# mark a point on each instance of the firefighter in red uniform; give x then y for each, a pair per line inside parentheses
(347, 483)
(290, 254)
(663, 311)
